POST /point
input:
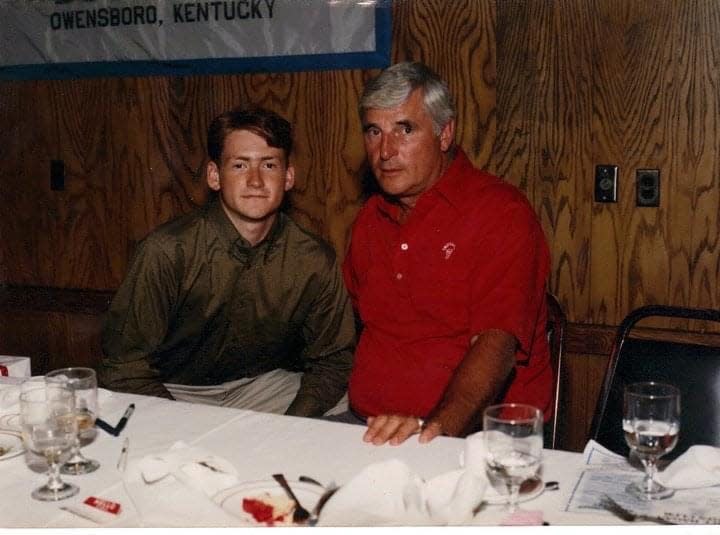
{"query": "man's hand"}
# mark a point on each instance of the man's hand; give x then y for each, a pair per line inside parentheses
(396, 429)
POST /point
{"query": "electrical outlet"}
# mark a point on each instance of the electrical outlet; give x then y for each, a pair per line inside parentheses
(606, 183)
(648, 187)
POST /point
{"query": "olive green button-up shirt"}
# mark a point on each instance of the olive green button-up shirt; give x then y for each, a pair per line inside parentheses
(200, 306)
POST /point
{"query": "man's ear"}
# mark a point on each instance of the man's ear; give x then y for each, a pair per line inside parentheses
(289, 177)
(213, 176)
(447, 134)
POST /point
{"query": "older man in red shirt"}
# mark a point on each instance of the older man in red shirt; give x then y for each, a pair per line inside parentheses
(447, 269)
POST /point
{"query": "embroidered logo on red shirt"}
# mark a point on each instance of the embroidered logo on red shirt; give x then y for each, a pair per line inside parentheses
(448, 249)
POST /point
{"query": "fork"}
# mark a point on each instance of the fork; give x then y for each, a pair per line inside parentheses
(329, 492)
(607, 503)
(300, 514)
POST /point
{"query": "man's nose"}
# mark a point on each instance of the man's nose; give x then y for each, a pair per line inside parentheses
(255, 179)
(388, 147)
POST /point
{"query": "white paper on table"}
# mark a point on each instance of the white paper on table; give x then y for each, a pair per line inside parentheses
(597, 454)
(609, 473)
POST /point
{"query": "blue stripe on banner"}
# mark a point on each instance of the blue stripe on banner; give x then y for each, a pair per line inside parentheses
(380, 58)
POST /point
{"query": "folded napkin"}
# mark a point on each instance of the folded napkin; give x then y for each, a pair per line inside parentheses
(175, 488)
(389, 493)
(698, 467)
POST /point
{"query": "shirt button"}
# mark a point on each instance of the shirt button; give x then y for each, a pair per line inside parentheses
(398, 276)
(404, 246)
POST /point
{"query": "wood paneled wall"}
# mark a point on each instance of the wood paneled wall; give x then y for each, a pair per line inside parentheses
(544, 90)
(631, 83)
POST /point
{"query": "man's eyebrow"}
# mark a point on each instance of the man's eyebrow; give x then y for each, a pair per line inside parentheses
(402, 122)
(245, 158)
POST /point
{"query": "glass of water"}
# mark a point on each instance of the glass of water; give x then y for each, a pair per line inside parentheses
(513, 442)
(651, 423)
(83, 383)
(49, 427)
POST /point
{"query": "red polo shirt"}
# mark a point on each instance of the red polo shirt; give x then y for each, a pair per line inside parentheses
(471, 257)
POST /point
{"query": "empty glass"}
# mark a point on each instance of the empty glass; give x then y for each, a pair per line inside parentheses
(83, 383)
(651, 422)
(514, 442)
(49, 428)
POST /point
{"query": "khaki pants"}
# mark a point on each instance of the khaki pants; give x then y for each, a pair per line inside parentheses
(270, 392)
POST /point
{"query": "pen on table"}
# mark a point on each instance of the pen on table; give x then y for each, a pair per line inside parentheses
(123, 455)
(121, 424)
(102, 424)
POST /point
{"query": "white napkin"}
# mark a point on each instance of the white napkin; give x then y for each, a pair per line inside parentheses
(174, 488)
(389, 493)
(698, 467)
(473, 455)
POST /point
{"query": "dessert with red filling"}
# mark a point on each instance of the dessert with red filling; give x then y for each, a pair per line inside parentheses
(269, 509)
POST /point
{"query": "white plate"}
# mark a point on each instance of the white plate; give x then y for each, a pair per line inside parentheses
(232, 499)
(496, 492)
(11, 445)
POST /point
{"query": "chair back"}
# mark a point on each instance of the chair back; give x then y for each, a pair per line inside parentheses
(556, 323)
(691, 367)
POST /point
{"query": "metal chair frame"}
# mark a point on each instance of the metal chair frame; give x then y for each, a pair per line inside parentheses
(621, 338)
(556, 326)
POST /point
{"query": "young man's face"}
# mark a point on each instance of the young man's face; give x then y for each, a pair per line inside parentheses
(406, 156)
(252, 177)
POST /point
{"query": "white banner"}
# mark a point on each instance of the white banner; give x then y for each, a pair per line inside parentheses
(62, 38)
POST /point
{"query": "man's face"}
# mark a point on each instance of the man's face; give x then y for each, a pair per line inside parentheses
(404, 153)
(252, 177)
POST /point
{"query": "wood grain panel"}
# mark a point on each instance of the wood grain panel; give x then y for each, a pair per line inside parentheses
(632, 69)
(329, 154)
(656, 99)
(544, 136)
(584, 376)
(457, 40)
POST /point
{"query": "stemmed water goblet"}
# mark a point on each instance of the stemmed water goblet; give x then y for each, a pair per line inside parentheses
(513, 442)
(83, 383)
(49, 429)
(651, 423)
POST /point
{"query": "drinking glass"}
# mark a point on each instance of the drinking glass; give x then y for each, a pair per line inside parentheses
(49, 428)
(83, 383)
(513, 442)
(651, 422)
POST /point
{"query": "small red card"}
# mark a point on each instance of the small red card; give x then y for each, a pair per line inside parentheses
(103, 505)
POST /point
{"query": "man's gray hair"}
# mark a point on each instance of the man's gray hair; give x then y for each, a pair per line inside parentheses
(393, 86)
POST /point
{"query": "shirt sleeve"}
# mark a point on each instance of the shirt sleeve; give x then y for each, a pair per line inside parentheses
(508, 281)
(329, 332)
(137, 323)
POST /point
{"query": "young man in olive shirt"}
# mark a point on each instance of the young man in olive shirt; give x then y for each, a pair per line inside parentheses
(234, 304)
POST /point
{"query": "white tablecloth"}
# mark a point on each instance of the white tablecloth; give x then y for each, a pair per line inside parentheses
(258, 445)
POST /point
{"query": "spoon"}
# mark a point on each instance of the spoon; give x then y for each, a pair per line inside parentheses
(300, 515)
